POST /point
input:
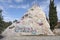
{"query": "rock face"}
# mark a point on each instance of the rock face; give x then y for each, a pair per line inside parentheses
(32, 23)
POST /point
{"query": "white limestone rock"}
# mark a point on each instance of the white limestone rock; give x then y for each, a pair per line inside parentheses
(32, 23)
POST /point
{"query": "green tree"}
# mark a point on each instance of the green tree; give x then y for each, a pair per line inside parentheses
(1, 19)
(6, 24)
(52, 15)
(14, 21)
(3, 24)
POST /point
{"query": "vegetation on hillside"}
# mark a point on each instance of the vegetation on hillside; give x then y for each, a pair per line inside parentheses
(3, 24)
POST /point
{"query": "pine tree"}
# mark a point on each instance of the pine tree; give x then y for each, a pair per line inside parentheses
(52, 15)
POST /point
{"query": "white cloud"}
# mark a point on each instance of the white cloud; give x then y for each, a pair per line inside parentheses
(12, 6)
(23, 6)
(58, 7)
(1, 7)
(1, 0)
(18, 1)
(8, 1)
(58, 11)
(19, 6)
(8, 17)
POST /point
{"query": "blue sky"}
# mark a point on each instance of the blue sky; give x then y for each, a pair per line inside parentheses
(15, 9)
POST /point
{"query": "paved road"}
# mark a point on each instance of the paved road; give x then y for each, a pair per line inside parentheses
(33, 38)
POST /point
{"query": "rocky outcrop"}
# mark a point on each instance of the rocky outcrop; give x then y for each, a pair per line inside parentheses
(32, 23)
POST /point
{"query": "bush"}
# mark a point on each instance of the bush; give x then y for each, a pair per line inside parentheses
(1, 36)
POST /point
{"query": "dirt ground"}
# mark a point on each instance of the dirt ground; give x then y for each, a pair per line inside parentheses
(32, 38)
